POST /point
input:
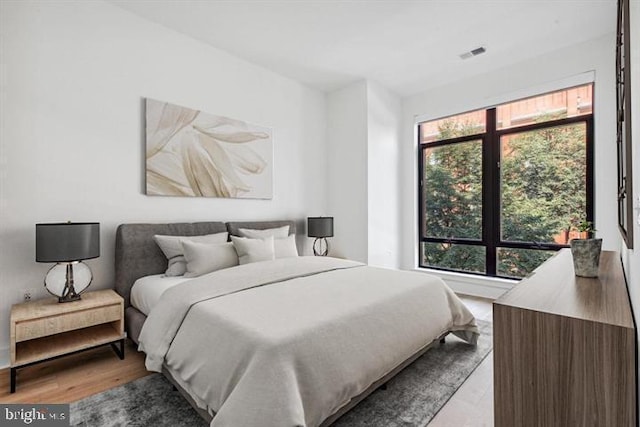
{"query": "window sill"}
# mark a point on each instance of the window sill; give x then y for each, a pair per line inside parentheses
(471, 284)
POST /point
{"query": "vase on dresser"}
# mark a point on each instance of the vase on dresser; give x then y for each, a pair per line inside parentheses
(586, 256)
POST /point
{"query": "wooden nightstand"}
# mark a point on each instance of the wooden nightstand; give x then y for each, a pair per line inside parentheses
(46, 329)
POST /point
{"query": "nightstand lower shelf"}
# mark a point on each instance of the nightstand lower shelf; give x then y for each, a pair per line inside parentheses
(47, 348)
(50, 348)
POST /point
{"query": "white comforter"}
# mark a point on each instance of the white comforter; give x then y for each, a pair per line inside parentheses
(288, 342)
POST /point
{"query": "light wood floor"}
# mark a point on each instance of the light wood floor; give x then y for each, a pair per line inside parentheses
(72, 378)
(472, 403)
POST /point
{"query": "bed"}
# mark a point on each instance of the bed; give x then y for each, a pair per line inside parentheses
(289, 342)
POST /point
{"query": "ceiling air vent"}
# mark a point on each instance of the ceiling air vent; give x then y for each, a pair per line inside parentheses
(475, 52)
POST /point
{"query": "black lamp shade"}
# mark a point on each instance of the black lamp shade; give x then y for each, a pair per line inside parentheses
(320, 226)
(67, 241)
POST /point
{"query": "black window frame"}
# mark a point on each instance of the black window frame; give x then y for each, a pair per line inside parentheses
(491, 188)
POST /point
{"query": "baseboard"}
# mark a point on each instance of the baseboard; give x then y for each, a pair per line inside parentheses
(4, 357)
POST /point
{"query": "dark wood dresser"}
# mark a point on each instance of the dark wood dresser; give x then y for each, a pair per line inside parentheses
(565, 348)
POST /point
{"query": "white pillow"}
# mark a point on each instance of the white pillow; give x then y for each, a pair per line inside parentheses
(172, 248)
(254, 250)
(203, 258)
(276, 233)
(286, 248)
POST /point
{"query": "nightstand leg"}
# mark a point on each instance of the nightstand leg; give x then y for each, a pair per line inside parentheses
(119, 352)
(13, 380)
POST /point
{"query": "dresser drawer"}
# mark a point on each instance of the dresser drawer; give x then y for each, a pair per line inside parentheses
(42, 327)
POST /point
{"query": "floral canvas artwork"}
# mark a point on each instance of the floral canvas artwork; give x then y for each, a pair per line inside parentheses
(193, 153)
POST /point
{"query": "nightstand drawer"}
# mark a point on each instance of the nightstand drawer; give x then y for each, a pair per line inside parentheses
(36, 328)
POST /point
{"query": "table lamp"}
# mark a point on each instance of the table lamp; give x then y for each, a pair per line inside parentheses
(67, 244)
(320, 227)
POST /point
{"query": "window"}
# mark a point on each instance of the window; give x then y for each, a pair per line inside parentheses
(499, 189)
(623, 140)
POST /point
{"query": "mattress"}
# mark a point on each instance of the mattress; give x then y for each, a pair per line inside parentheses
(146, 291)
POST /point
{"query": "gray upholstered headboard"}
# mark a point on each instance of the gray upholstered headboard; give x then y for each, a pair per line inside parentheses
(138, 255)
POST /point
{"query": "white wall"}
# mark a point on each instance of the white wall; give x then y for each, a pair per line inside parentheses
(347, 170)
(631, 258)
(514, 82)
(363, 139)
(384, 119)
(74, 76)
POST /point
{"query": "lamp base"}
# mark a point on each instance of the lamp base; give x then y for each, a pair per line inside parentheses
(67, 280)
(70, 297)
(320, 246)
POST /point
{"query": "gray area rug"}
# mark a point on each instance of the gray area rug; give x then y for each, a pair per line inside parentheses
(412, 398)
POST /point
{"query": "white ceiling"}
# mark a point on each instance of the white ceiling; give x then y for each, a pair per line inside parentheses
(408, 46)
